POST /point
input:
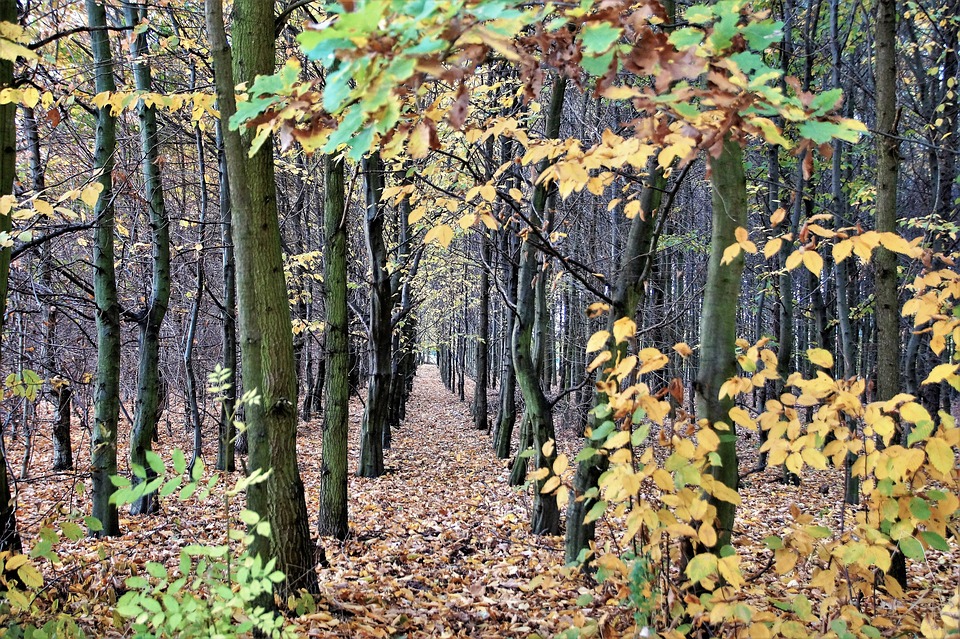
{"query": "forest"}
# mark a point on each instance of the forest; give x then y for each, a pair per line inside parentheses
(479, 318)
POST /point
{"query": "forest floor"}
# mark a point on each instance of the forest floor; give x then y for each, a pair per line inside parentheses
(438, 546)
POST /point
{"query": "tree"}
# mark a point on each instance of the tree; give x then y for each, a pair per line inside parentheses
(333, 484)
(147, 410)
(103, 460)
(263, 310)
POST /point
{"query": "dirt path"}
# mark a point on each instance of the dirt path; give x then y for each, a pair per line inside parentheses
(438, 545)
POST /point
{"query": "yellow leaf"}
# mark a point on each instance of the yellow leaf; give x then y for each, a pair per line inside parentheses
(741, 234)
(15, 562)
(30, 97)
(709, 441)
(820, 357)
(623, 328)
(940, 373)
(730, 253)
(842, 250)
(443, 234)
(683, 350)
(778, 216)
(551, 485)
(813, 262)
(617, 440)
(30, 576)
(914, 413)
(708, 536)
(548, 448)
(43, 208)
(597, 341)
(91, 194)
(560, 464)
(772, 247)
(940, 455)
(631, 209)
(599, 359)
(488, 193)
(794, 260)
(516, 194)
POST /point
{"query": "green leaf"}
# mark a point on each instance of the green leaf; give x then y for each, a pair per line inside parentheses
(249, 517)
(595, 512)
(136, 582)
(640, 435)
(198, 468)
(826, 101)
(72, 530)
(155, 462)
(602, 431)
(911, 548)
(698, 14)
(119, 481)
(702, 566)
(773, 542)
(171, 486)
(920, 509)
(93, 523)
(138, 471)
(597, 65)
(935, 541)
(686, 37)
(598, 37)
(920, 432)
(179, 461)
(156, 570)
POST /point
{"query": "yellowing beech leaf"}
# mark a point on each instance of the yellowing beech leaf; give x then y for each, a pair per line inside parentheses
(813, 262)
(624, 328)
(599, 359)
(548, 448)
(772, 247)
(742, 417)
(940, 373)
(940, 455)
(488, 193)
(550, 485)
(683, 349)
(708, 536)
(730, 253)
(794, 260)
(43, 208)
(741, 234)
(842, 250)
(516, 194)
(560, 464)
(914, 413)
(597, 341)
(702, 566)
(778, 216)
(820, 357)
(443, 234)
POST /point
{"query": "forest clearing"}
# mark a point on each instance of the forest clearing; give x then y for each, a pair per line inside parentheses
(481, 318)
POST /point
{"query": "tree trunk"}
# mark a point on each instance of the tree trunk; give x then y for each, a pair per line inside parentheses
(718, 324)
(262, 304)
(373, 429)
(9, 536)
(545, 519)
(226, 431)
(103, 457)
(887, 309)
(480, 420)
(333, 473)
(147, 406)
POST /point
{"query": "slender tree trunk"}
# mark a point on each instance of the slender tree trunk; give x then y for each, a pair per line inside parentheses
(887, 309)
(103, 457)
(378, 384)
(718, 324)
(191, 378)
(262, 304)
(146, 411)
(333, 472)
(545, 518)
(480, 419)
(226, 431)
(9, 536)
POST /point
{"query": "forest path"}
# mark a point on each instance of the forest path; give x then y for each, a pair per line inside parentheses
(439, 545)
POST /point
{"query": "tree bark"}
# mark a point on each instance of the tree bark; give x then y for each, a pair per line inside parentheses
(103, 458)
(333, 472)
(262, 304)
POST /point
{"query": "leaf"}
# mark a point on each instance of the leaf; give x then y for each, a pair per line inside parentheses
(730, 253)
(820, 357)
(941, 373)
(683, 349)
(597, 341)
(813, 262)
(911, 548)
(935, 540)
(595, 512)
(702, 566)
(30, 576)
(560, 464)
(442, 233)
(623, 328)
(940, 455)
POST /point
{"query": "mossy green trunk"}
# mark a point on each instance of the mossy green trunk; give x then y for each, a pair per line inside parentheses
(545, 519)
(333, 469)
(266, 339)
(103, 457)
(147, 408)
(718, 323)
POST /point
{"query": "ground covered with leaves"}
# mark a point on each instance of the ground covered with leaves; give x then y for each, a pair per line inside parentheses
(438, 546)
